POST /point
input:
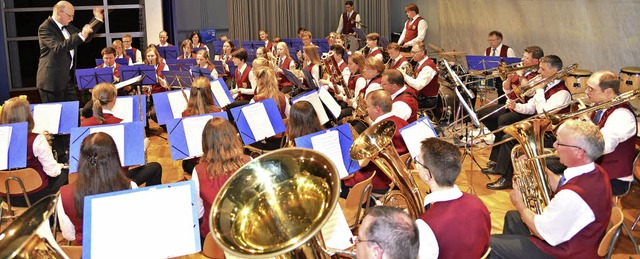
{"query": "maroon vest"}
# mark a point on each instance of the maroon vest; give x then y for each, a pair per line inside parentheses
(559, 87)
(372, 54)
(157, 88)
(342, 66)
(516, 83)
(411, 29)
(268, 47)
(34, 163)
(286, 63)
(431, 90)
(503, 51)
(93, 121)
(116, 70)
(243, 82)
(618, 163)
(66, 195)
(445, 217)
(595, 190)
(209, 189)
(397, 64)
(348, 22)
(377, 79)
(352, 82)
(134, 50)
(409, 97)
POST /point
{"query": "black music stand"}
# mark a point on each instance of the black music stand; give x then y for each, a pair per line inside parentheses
(89, 77)
(169, 52)
(295, 82)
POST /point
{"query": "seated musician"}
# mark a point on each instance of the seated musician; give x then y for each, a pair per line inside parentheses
(163, 37)
(109, 60)
(222, 156)
(554, 98)
(575, 220)
(337, 52)
(303, 120)
(331, 38)
(405, 102)
(261, 52)
(371, 71)
(497, 49)
(137, 56)
(228, 47)
(355, 64)
(200, 102)
(306, 38)
(379, 108)
(39, 154)
(104, 99)
(120, 53)
(99, 172)
(264, 37)
(618, 127)
(372, 44)
(266, 88)
(283, 57)
(196, 39)
(450, 214)
(415, 28)
(387, 232)
(312, 62)
(152, 57)
(244, 90)
(203, 61)
(187, 50)
(425, 77)
(397, 60)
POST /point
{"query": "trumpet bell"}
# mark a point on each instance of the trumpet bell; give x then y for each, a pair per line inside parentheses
(373, 140)
(275, 204)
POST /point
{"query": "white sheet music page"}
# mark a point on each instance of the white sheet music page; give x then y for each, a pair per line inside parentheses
(331, 103)
(47, 117)
(314, 99)
(413, 136)
(128, 82)
(219, 93)
(5, 141)
(193, 126)
(124, 108)
(117, 133)
(329, 144)
(336, 231)
(258, 121)
(177, 102)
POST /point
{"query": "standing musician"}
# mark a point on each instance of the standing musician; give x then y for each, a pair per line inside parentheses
(126, 41)
(187, 50)
(120, 53)
(575, 220)
(244, 90)
(415, 28)
(348, 20)
(405, 102)
(396, 60)
(425, 77)
(372, 45)
(442, 232)
(497, 49)
(283, 57)
(555, 95)
(264, 37)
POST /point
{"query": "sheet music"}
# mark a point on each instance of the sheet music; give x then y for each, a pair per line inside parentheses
(194, 126)
(331, 103)
(329, 145)
(5, 139)
(314, 99)
(131, 81)
(124, 109)
(414, 135)
(47, 117)
(336, 231)
(117, 133)
(258, 120)
(219, 93)
(177, 102)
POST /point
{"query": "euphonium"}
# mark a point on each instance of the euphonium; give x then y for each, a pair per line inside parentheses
(375, 144)
(530, 173)
(557, 119)
(538, 82)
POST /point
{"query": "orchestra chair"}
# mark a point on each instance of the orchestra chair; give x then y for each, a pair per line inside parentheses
(73, 252)
(608, 242)
(486, 254)
(636, 174)
(210, 249)
(625, 256)
(616, 203)
(17, 182)
(357, 202)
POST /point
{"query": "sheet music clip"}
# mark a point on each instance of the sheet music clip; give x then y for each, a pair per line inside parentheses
(87, 78)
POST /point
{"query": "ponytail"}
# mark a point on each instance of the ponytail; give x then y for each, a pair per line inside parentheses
(97, 111)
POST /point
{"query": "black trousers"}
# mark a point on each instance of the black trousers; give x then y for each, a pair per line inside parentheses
(503, 163)
(67, 94)
(151, 174)
(514, 242)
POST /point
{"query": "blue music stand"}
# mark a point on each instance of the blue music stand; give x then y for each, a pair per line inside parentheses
(68, 115)
(149, 72)
(218, 65)
(178, 79)
(129, 52)
(223, 86)
(87, 78)
(208, 35)
(322, 44)
(169, 52)
(243, 126)
(163, 106)
(17, 145)
(360, 33)
(178, 137)
(199, 71)
(346, 140)
(487, 62)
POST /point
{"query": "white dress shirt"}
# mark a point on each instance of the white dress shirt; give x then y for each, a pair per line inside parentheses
(538, 104)
(340, 25)
(378, 56)
(510, 52)
(422, 31)
(400, 108)
(423, 78)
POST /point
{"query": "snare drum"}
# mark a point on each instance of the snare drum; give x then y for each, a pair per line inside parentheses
(629, 79)
(576, 81)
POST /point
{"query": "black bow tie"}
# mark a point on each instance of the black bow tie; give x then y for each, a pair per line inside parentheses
(63, 27)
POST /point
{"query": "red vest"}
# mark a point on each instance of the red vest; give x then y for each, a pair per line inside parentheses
(268, 47)
(282, 80)
(618, 163)
(377, 79)
(516, 83)
(559, 87)
(280, 102)
(200, 45)
(66, 195)
(503, 51)
(411, 29)
(431, 90)
(93, 121)
(243, 82)
(409, 97)
(396, 64)
(157, 88)
(134, 50)
(34, 163)
(191, 56)
(286, 63)
(116, 70)
(342, 66)
(372, 54)
(352, 82)
(348, 22)
(595, 190)
(445, 220)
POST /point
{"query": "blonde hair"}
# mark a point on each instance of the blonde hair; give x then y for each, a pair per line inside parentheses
(102, 94)
(17, 110)
(201, 98)
(268, 86)
(312, 54)
(285, 48)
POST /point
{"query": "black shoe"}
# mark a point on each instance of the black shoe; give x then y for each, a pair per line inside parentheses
(490, 171)
(491, 164)
(501, 184)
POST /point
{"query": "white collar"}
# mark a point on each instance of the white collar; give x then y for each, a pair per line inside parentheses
(105, 111)
(394, 95)
(382, 117)
(552, 84)
(57, 23)
(443, 195)
(572, 172)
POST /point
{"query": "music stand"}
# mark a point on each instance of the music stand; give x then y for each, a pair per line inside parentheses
(169, 52)
(178, 79)
(360, 33)
(219, 67)
(122, 61)
(195, 51)
(89, 77)
(308, 78)
(185, 64)
(198, 72)
(147, 71)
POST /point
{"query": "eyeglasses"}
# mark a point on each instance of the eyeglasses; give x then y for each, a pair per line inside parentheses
(355, 240)
(565, 145)
(415, 159)
(68, 15)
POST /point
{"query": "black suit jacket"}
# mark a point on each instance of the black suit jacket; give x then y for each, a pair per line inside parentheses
(55, 60)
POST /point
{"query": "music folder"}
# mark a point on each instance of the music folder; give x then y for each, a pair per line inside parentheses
(13, 145)
(168, 52)
(128, 109)
(258, 121)
(147, 71)
(417, 131)
(87, 78)
(185, 146)
(170, 105)
(133, 223)
(130, 133)
(334, 143)
(61, 123)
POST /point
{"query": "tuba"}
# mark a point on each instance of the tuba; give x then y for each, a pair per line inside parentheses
(275, 206)
(530, 173)
(22, 238)
(375, 144)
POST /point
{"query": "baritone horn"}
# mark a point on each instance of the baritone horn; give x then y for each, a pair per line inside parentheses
(275, 206)
(504, 70)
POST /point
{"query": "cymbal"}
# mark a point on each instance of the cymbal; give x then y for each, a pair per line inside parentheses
(450, 54)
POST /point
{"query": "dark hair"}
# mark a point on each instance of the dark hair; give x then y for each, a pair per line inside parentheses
(102, 94)
(232, 45)
(240, 54)
(201, 98)
(303, 120)
(99, 169)
(394, 231)
(553, 61)
(301, 29)
(394, 76)
(357, 58)
(348, 3)
(412, 7)
(337, 48)
(443, 160)
(221, 147)
(536, 52)
(108, 50)
(496, 33)
(195, 33)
